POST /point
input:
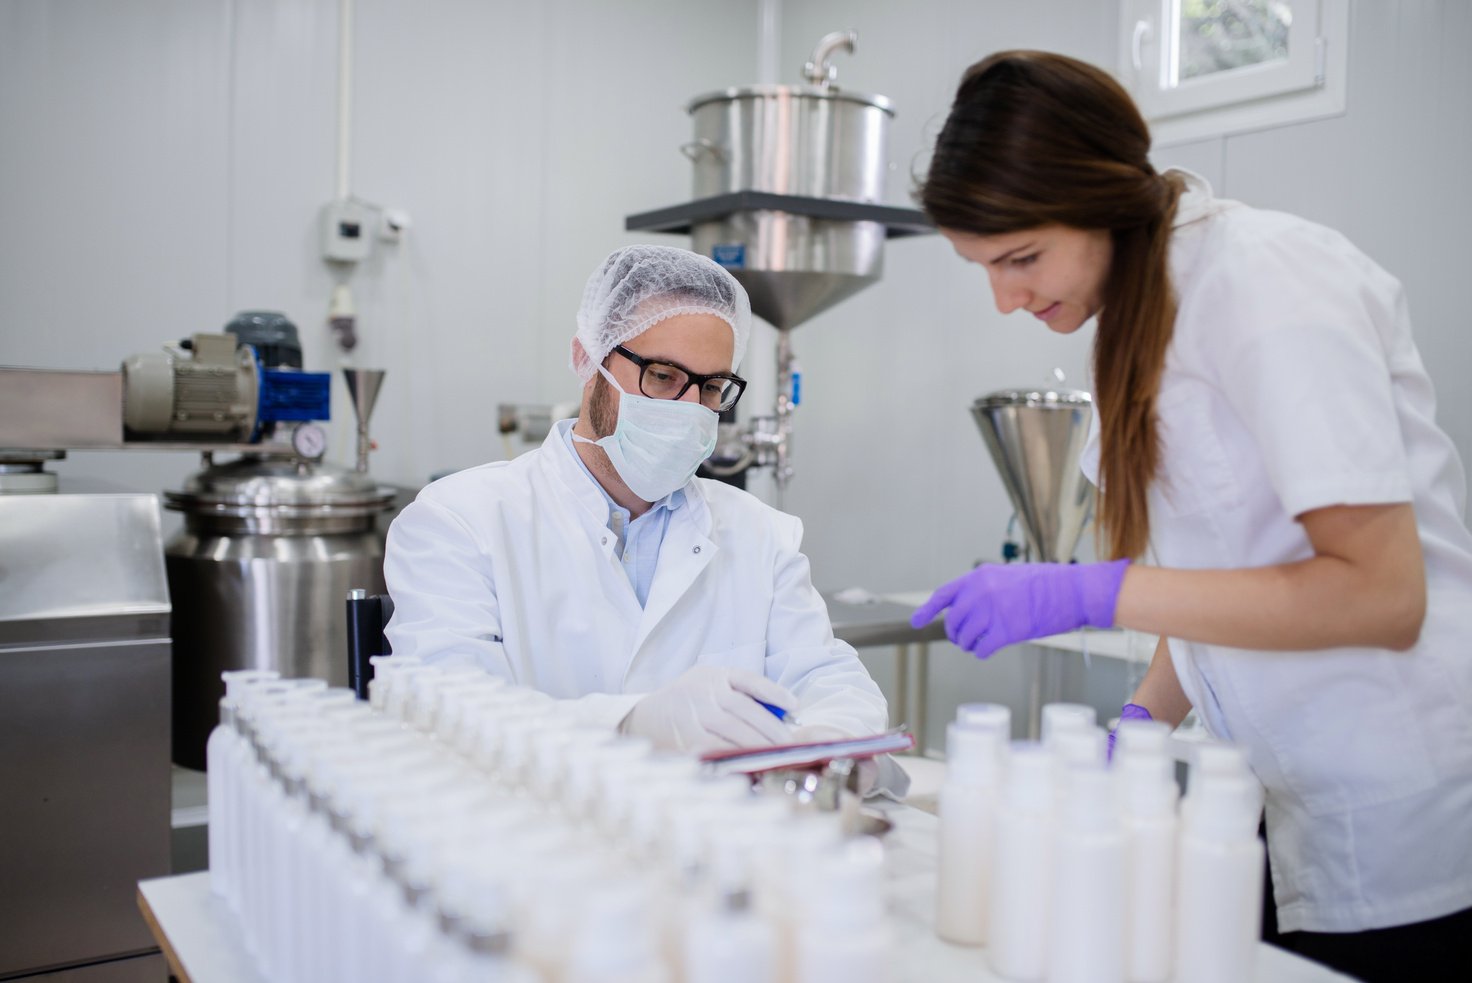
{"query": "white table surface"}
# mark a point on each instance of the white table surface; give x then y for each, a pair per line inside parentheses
(200, 934)
(201, 938)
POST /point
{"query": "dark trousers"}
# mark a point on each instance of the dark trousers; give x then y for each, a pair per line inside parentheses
(1435, 950)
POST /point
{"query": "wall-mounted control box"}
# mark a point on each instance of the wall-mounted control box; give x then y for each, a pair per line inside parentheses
(347, 230)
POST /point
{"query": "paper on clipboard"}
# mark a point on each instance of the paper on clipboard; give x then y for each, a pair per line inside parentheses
(752, 761)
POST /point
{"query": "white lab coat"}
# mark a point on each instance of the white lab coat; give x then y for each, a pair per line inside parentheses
(1292, 383)
(511, 567)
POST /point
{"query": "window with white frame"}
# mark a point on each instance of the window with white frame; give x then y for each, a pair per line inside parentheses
(1200, 68)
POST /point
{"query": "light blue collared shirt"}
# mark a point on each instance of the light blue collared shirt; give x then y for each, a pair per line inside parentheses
(637, 541)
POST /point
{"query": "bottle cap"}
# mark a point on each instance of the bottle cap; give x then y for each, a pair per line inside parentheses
(1217, 758)
(1222, 807)
(1080, 745)
(1142, 737)
(986, 716)
(238, 679)
(1058, 717)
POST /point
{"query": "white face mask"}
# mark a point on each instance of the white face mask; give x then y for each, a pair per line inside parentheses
(658, 443)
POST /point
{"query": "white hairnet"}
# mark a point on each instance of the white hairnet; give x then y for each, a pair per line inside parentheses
(639, 286)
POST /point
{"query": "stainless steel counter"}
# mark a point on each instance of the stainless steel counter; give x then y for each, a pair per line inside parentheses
(84, 726)
(885, 622)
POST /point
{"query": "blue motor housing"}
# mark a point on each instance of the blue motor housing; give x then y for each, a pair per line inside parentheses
(287, 394)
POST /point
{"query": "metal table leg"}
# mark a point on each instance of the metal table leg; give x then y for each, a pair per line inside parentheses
(899, 714)
(922, 695)
(1035, 685)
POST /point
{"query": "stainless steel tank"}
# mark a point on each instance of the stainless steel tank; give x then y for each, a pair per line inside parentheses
(270, 548)
(812, 141)
(790, 140)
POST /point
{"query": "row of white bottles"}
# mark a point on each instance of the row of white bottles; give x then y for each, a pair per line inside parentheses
(455, 828)
(1071, 869)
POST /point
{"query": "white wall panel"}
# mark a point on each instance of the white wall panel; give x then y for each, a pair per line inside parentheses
(1391, 175)
(165, 162)
(113, 178)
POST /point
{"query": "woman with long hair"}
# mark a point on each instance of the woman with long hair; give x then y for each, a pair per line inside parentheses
(1265, 431)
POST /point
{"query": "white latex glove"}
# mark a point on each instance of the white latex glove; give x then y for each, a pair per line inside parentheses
(709, 707)
(866, 770)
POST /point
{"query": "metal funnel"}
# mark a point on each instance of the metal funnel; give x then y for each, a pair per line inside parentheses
(363, 385)
(793, 266)
(785, 300)
(1035, 438)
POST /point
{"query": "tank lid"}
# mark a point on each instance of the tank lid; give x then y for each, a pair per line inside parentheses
(261, 481)
(791, 92)
(1045, 398)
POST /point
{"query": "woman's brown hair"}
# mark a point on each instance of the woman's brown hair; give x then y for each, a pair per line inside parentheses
(1037, 139)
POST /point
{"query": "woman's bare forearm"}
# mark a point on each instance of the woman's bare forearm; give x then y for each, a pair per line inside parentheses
(1160, 691)
(1365, 586)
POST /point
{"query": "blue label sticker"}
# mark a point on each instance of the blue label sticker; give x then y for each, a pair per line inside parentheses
(731, 255)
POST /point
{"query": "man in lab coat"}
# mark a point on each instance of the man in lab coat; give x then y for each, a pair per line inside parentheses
(599, 570)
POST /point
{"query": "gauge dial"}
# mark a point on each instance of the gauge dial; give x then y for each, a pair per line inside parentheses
(309, 440)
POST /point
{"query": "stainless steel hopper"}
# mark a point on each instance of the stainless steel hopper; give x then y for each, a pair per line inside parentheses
(1036, 437)
(787, 180)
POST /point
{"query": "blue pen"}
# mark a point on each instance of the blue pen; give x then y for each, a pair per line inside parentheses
(774, 710)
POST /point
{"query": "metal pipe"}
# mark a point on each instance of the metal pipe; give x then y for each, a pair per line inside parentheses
(817, 70)
(781, 467)
(768, 39)
(344, 93)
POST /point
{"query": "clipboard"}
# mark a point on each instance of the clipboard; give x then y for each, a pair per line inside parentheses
(754, 761)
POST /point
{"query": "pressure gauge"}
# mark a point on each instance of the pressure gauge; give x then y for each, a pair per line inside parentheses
(309, 440)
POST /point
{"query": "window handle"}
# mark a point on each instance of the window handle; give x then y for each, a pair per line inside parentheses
(1137, 43)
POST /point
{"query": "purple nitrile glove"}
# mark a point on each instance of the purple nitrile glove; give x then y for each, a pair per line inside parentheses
(1002, 604)
(1130, 711)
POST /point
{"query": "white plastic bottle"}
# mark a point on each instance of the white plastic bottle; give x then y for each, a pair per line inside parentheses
(843, 934)
(1058, 717)
(1074, 746)
(218, 760)
(1147, 797)
(727, 941)
(617, 940)
(1022, 866)
(967, 830)
(481, 918)
(1087, 922)
(1219, 908)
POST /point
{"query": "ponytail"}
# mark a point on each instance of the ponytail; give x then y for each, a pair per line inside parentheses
(1036, 139)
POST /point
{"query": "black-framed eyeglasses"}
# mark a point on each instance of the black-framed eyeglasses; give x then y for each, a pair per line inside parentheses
(665, 380)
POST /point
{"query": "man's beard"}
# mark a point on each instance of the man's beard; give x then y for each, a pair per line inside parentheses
(602, 413)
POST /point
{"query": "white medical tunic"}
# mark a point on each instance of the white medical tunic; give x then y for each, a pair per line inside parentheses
(511, 567)
(1292, 383)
